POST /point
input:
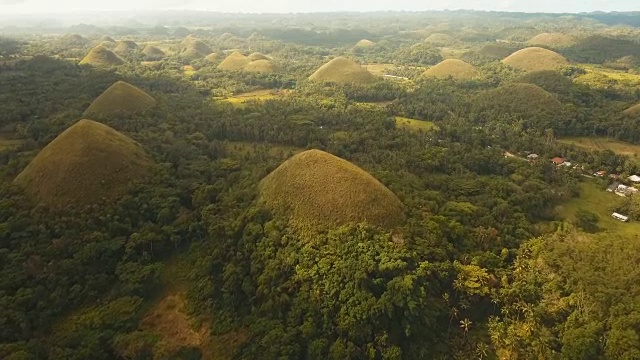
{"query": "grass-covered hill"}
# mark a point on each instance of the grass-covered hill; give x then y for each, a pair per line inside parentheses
(440, 39)
(633, 111)
(120, 97)
(106, 38)
(125, 47)
(454, 68)
(597, 49)
(364, 43)
(343, 70)
(261, 66)
(236, 61)
(192, 46)
(152, 52)
(258, 56)
(494, 51)
(535, 59)
(554, 40)
(100, 56)
(86, 164)
(72, 40)
(318, 188)
(213, 57)
(529, 102)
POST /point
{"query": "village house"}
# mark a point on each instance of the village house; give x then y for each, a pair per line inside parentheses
(557, 160)
(533, 157)
(634, 179)
(620, 217)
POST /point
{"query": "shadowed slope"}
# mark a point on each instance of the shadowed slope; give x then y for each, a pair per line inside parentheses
(120, 96)
(317, 188)
(258, 56)
(263, 66)
(343, 70)
(153, 52)
(86, 164)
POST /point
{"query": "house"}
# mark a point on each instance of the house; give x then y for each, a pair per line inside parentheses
(567, 164)
(620, 217)
(533, 157)
(557, 160)
(634, 178)
(600, 173)
(613, 187)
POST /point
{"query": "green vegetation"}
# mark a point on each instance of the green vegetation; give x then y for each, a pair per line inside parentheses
(440, 39)
(343, 71)
(454, 68)
(595, 143)
(100, 56)
(415, 125)
(85, 164)
(120, 97)
(535, 59)
(553, 40)
(315, 187)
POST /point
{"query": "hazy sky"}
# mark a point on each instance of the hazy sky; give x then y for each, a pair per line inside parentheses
(280, 6)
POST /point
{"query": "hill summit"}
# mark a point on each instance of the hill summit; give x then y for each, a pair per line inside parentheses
(317, 188)
(260, 66)
(633, 111)
(119, 97)
(343, 70)
(152, 52)
(454, 68)
(535, 59)
(364, 43)
(125, 47)
(554, 40)
(85, 165)
(234, 62)
(100, 56)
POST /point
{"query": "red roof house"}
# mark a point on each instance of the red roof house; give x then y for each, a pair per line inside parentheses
(557, 160)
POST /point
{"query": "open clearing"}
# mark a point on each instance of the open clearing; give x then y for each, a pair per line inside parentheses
(258, 95)
(594, 143)
(596, 199)
(611, 73)
(415, 125)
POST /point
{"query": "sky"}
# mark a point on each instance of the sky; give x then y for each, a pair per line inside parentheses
(288, 6)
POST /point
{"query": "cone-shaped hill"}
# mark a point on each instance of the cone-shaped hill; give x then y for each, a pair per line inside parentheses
(258, 56)
(494, 51)
(528, 101)
(72, 40)
(193, 45)
(633, 111)
(440, 39)
(457, 69)
(125, 47)
(120, 97)
(234, 62)
(535, 59)
(317, 188)
(364, 43)
(260, 66)
(86, 164)
(106, 38)
(554, 40)
(549, 80)
(343, 70)
(100, 56)
(152, 52)
(213, 57)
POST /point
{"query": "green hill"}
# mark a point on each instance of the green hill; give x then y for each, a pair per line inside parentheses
(535, 59)
(530, 102)
(234, 62)
(261, 66)
(72, 41)
(85, 165)
(598, 49)
(494, 51)
(549, 80)
(258, 56)
(454, 68)
(554, 40)
(100, 56)
(440, 39)
(317, 188)
(213, 57)
(152, 52)
(120, 97)
(343, 70)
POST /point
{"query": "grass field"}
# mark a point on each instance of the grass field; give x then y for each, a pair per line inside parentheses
(594, 143)
(6, 144)
(594, 198)
(415, 125)
(611, 73)
(259, 95)
(245, 147)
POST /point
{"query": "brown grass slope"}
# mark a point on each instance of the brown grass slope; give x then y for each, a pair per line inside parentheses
(125, 47)
(633, 111)
(260, 66)
(258, 56)
(86, 164)
(440, 39)
(535, 59)
(191, 43)
(106, 38)
(213, 57)
(553, 40)
(120, 97)
(454, 68)
(100, 56)
(364, 43)
(152, 52)
(343, 70)
(317, 188)
(234, 62)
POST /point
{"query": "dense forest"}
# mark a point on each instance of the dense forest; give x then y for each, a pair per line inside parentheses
(490, 261)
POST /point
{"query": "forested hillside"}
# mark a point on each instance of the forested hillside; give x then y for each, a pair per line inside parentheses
(167, 194)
